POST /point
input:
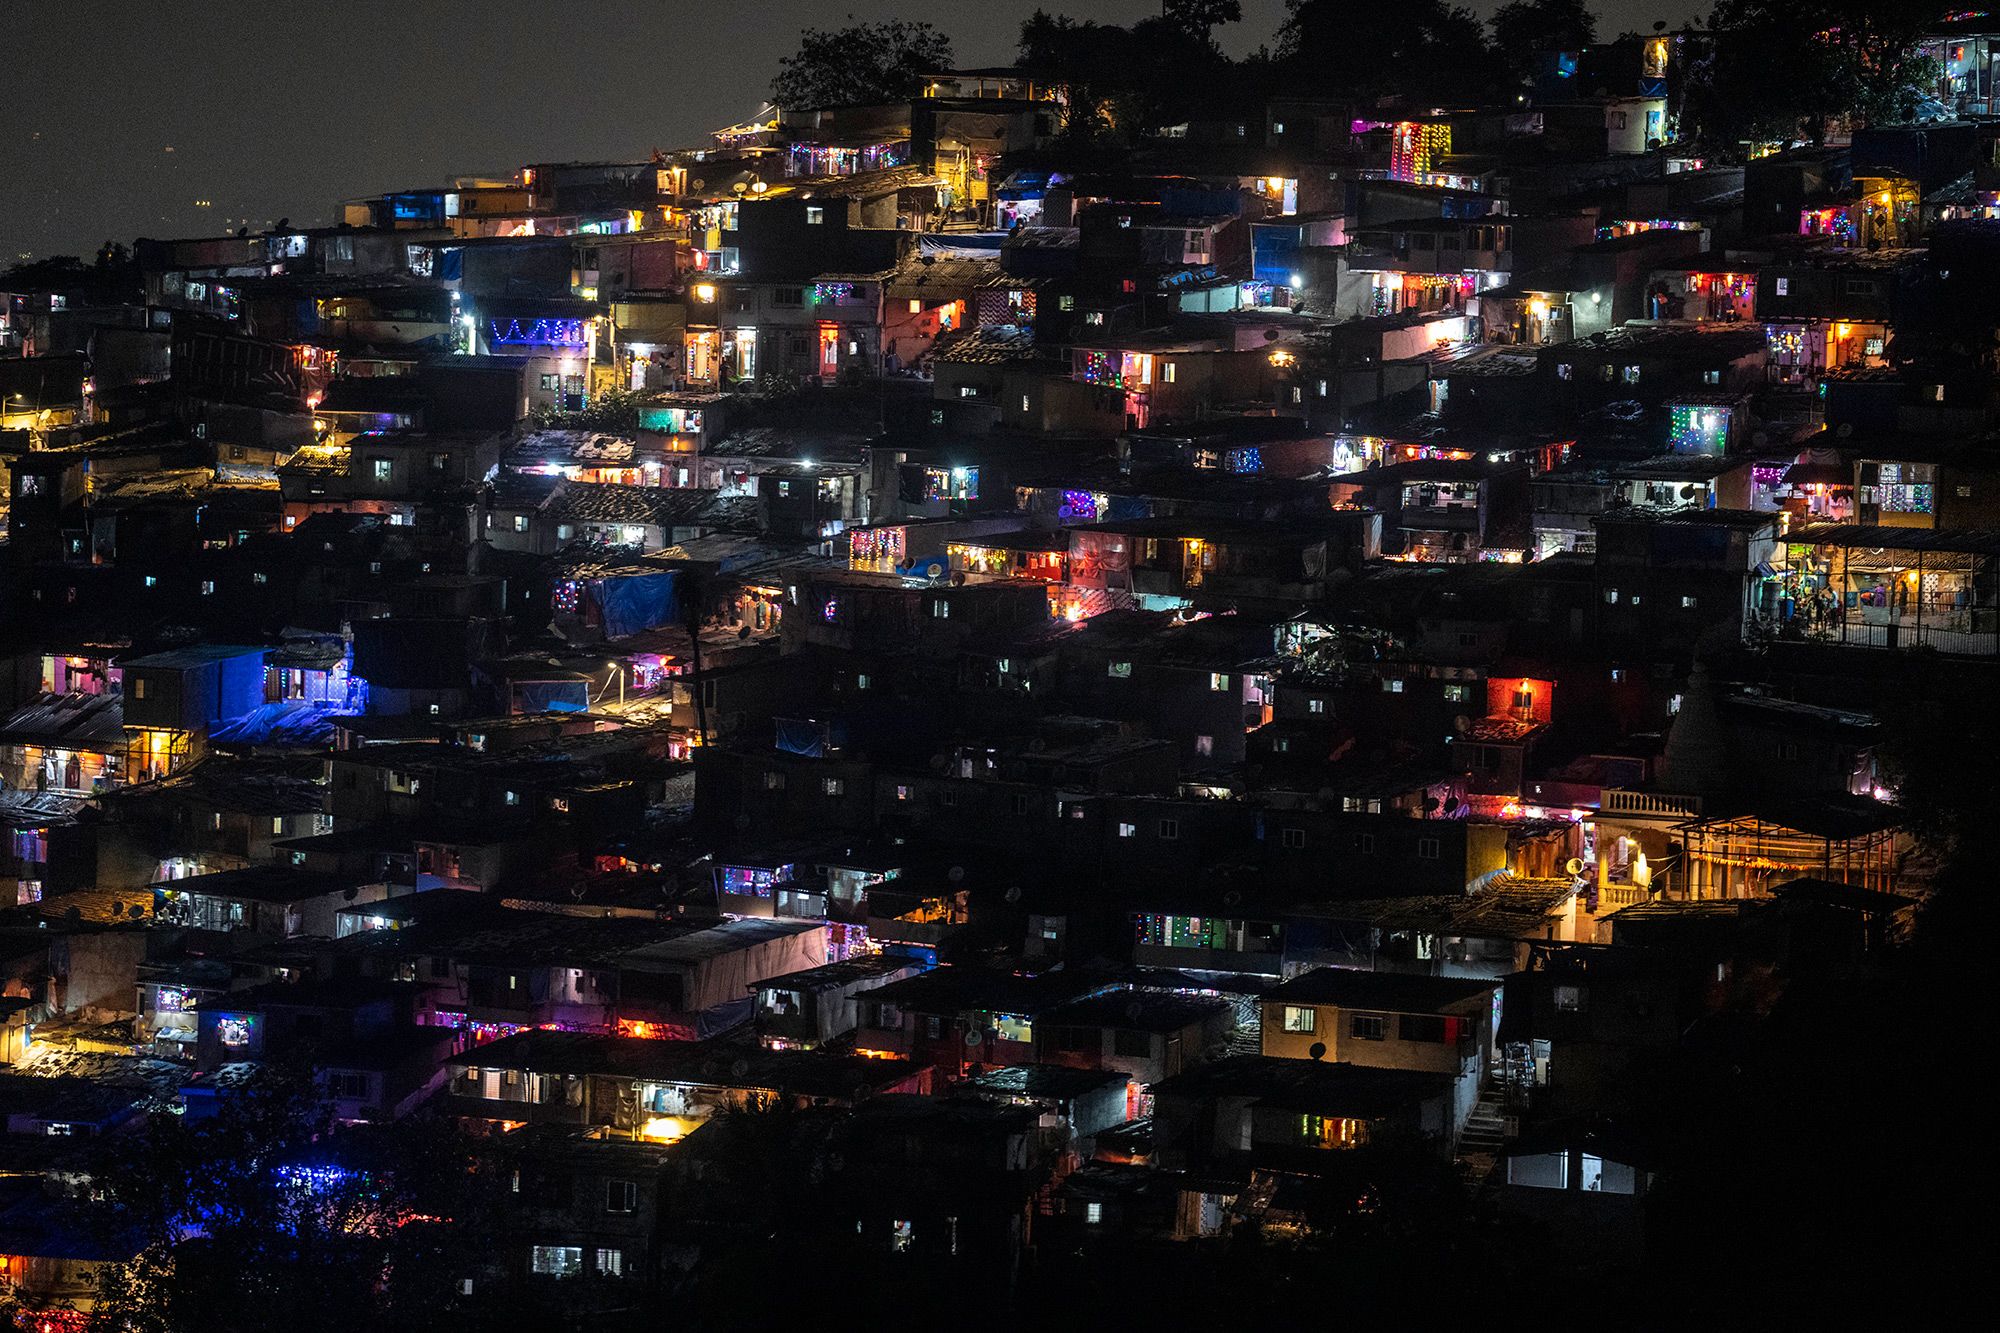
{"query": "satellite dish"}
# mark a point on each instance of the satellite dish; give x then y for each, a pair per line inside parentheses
(698, 183)
(1844, 429)
(1134, 1010)
(1270, 335)
(739, 1069)
(743, 820)
(1688, 492)
(973, 1036)
(1013, 894)
(1573, 866)
(955, 874)
(1231, 898)
(1760, 438)
(1317, 1050)
(1461, 723)
(934, 569)
(743, 633)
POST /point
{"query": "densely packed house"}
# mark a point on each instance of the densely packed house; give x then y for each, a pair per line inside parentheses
(1109, 686)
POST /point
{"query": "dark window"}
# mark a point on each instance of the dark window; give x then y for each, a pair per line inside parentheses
(1368, 1027)
(1420, 1027)
(1138, 1045)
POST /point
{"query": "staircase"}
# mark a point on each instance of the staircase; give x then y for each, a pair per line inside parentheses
(1247, 1037)
(1479, 1143)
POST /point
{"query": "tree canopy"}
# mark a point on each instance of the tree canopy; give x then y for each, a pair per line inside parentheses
(1523, 28)
(1125, 82)
(860, 64)
(1781, 69)
(259, 1217)
(1427, 48)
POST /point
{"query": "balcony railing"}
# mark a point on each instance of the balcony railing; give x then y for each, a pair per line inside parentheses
(1617, 801)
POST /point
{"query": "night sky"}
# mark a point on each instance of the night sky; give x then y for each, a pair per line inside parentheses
(116, 118)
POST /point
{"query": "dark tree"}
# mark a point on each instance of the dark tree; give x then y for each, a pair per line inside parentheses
(1080, 61)
(260, 1217)
(1122, 83)
(1200, 18)
(1425, 48)
(860, 64)
(1780, 71)
(1524, 28)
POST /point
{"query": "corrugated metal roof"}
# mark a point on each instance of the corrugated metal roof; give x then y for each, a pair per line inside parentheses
(72, 721)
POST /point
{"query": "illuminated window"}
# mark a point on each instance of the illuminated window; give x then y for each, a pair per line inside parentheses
(1218, 680)
(1301, 1018)
(1119, 670)
(815, 215)
(556, 1260)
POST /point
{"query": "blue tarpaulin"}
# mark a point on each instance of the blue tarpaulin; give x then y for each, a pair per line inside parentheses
(1124, 507)
(551, 696)
(802, 736)
(634, 602)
